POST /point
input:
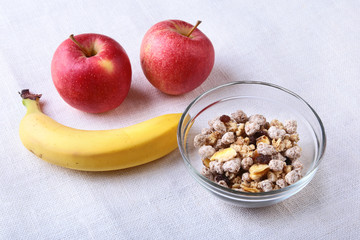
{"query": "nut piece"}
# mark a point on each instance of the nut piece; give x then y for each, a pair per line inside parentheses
(231, 126)
(276, 133)
(278, 145)
(281, 144)
(206, 173)
(278, 156)
(247, 151)
(254, 184)
(266, 185)
(216, 167)
(290, 126)
(257, 118)
(232, 166)
(199, 140)
(292, 176)
(246, 177)
(249, 189)
(288, 144)
(293, 153)
(277, 124)
(237, 179)
(229, 175)
(278, 174)
(219, 126)
(251, 128)
(224, 155)
(276, 165)
(246, 163)
(240, 129)
(294, 137)
(287, 169)
(206, 162)
(223, 183)
(213, 137)
(228, 138)
(211, 122)
(218, 145)
(258, 170)
(206, 151)
(239, 116)
(297, 164)
(206, 131)
(281, 183)
(263, 139)
(271, 176)
(242, 141)
(265, 149)
(243, 149)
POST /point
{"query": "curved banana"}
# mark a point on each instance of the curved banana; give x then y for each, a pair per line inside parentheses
(95, 150)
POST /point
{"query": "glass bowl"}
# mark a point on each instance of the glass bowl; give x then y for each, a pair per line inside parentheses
(274, 102)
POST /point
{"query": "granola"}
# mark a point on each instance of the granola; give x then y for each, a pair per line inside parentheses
(250, 154)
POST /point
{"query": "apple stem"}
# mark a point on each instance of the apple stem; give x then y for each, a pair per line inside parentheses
(87, 54)
(191, 31)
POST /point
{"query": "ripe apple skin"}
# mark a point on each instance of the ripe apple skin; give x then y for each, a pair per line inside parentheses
(172, 62)
(94, 84)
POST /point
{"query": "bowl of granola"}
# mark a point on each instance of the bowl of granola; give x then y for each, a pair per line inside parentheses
(252, 144)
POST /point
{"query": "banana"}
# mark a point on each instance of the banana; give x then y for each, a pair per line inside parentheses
(95, 150)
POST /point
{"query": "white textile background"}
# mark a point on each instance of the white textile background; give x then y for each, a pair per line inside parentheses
(309, 47)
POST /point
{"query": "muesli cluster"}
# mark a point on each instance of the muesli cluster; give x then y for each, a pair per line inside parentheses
(250, 154)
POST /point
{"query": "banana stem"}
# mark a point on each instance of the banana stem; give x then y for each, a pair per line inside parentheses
(31, 105)
(25, 94)
(30, 100)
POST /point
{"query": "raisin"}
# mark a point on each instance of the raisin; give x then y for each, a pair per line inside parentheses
(220, 177)
(225, 118)
(252, 139)
(261, 133)
(263, 159)
(288, 161)
(241, 172)
(258, 134)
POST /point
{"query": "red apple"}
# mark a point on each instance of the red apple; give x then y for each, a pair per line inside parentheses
(91, 72)
(174, 61)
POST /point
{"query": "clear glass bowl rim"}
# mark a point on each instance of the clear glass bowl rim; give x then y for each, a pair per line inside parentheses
(234, 193)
